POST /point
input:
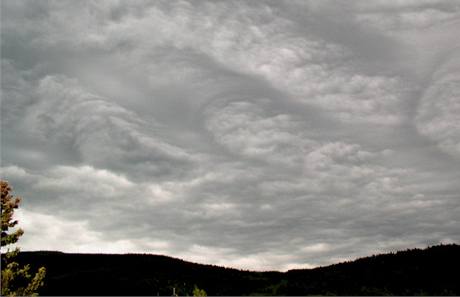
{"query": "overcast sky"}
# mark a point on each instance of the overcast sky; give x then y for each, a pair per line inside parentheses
(251, 134)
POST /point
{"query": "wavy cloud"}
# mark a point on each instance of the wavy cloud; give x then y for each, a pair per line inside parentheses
(268, 135)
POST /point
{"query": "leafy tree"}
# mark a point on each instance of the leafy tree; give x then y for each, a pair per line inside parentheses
(15, 280)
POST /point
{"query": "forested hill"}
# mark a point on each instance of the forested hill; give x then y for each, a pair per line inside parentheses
(431, 271)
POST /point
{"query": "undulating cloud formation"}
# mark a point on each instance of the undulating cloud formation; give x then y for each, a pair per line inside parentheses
(251, 134)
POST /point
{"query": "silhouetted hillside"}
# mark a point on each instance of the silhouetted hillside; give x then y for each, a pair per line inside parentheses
(432, 271)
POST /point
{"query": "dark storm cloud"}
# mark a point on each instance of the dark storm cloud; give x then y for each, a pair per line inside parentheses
(268, 135)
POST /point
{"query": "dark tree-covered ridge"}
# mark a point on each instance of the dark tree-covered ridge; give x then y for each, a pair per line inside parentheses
(431, 271)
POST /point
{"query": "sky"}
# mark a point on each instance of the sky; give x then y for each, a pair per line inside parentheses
(261, 135)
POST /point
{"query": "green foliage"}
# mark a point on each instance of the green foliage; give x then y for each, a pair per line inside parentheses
(199, 292)
(15, 280)
(9, 204)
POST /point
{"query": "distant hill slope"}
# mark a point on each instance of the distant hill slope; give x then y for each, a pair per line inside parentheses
(432, 271)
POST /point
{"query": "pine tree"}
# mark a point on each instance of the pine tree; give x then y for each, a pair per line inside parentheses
(15, 280)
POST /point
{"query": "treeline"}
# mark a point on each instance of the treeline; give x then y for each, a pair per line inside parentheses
(431, 271)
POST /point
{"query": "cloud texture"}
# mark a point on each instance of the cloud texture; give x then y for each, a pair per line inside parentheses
(258, 135)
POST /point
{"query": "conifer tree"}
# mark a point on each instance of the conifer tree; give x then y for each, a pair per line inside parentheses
(15, 280)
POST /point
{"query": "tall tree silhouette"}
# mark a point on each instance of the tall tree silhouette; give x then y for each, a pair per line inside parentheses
(16, 280)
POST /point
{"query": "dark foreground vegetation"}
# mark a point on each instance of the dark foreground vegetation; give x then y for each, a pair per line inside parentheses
(432, 271)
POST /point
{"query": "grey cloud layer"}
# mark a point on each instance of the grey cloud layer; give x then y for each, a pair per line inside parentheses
(438, 115)
(268, 135)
